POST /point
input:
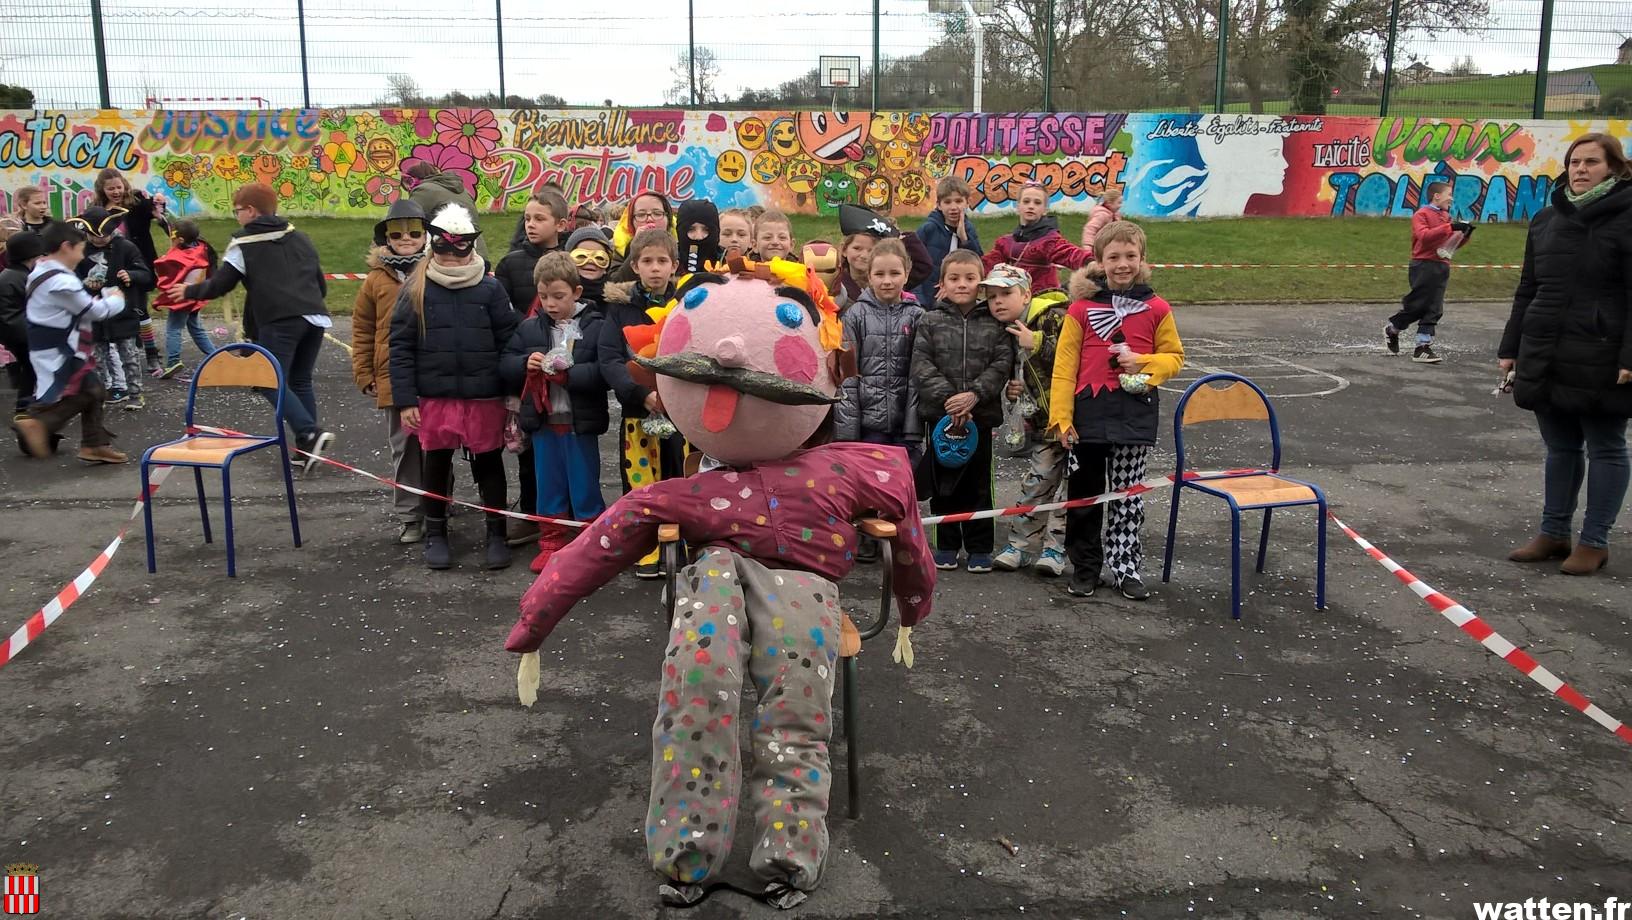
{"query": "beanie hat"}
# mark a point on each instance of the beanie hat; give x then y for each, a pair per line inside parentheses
(588, 235)
(24, 245)
(695, 254)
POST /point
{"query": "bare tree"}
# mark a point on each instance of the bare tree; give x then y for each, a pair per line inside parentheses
(1321, 36)
(708, 78)
(404, 90)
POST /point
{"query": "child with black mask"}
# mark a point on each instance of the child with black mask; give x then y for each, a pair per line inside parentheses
(591, 252)
(698, 229)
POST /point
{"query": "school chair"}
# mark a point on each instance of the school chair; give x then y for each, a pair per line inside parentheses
(1240, 400)
(850, 636)
(239, 365)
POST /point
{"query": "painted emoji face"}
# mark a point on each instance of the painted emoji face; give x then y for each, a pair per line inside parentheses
(834, 137)
(911, 189)
(887, 125)
(731, 166)
(802, 175)
(381, 154)
(266, 167)
(837, 187)
(876, 193)
(226, 166)
(766, 167)
(784, 137)
(937, 162)
(916, 127)
(897, 156)
(751, 133)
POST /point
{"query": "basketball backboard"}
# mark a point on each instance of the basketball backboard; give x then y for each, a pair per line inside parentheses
(838, 71)
(982, 7)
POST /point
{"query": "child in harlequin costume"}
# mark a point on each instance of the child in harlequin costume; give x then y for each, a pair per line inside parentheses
(747, 367)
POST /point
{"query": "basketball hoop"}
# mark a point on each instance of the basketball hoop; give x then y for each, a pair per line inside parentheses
(837, 71)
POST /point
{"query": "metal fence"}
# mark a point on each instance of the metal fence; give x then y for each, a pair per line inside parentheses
(1473, 58)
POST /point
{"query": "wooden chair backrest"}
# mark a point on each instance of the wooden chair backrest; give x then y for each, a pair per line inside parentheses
(238, 369)
(1235, 401)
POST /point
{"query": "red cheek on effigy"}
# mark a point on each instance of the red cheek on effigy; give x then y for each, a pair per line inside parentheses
(795, 359)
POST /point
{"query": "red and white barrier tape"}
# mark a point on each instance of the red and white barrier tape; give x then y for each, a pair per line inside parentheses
(210, 429)
(1138, 488)
(1469, 622)
(1312, 265)
(75, 589)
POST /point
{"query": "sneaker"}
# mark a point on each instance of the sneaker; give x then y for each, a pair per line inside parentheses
(1080, 587)
(1425, 355)
(1051, 563)
(115, 397)
(412, 532)
(1392, 336)
(102, 455)
(134, 403)
(1010, 559)
(314, 445)
(946, 559)
(165, 373)
(518, 532)
(979, 563)
(648, 570)
(1133, 588)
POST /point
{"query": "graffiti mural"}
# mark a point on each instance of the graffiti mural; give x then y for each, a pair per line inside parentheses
(349, 161)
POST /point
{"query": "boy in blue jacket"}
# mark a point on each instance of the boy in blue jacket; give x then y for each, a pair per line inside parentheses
(948, 227)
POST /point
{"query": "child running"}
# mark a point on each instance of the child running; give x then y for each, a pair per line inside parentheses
(450, 326)
(962, 357)
(1119, 343)
(189, 260)
(1429, 274)
(113, 261)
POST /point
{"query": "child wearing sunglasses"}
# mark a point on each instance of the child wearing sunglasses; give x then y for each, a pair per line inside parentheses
(400, 244)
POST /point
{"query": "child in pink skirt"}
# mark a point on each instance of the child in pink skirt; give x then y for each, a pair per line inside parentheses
(451, 323)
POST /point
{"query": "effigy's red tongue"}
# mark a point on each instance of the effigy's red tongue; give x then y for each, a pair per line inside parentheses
(720, 407)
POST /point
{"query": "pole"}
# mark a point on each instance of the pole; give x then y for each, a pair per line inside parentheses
(1545, 45)
(1388, 56)
(979, 28)
(498, 20)
(691, 49)
(1223, 55)
(101, 56)
(875, 54)
(1048, 58)
(305, 72)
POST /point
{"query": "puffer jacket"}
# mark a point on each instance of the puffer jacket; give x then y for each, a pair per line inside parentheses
(1045, 317)
(121, 255)
(585, 388)
(955, 352)
(881, 398)
(625, 305)
(457, 355)
(515, 274)
(1570, 331)
(371, 329)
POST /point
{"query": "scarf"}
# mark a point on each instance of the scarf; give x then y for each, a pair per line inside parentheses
(1036, 231)
(1590, 195)
(456, 277)
(402, 265)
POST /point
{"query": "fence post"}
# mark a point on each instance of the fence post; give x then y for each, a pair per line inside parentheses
(1539, 108)
(106, 99)
(305, 72)
(876, 54)
(691, 48)
(1048, 57)
(1388, 57)
(1223, 55)
(498, 19)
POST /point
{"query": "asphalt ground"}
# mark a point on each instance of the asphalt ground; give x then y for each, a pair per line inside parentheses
(335, 732)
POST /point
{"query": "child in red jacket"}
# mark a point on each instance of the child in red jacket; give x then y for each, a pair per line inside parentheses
(190, 260)
(1429, 274)
(1036, 245)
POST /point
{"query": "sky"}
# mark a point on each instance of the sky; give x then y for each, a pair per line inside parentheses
(241, 52)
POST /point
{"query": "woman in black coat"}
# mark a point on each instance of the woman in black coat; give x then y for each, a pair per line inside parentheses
(1568, 344)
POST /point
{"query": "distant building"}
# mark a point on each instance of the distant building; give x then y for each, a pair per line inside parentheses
(1572, 91)
(1418, 73)
(1624, 56)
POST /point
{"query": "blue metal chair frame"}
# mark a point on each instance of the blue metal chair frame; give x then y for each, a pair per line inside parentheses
(225, 465)
(1200, 484)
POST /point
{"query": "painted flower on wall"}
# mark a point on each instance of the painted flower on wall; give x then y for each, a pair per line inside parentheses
(300, 162)
(448, 159)
(364, 122)
(357, 198)
(339, 154)
(286, 187)
(420, 119)
(226, 166)
(474, 131)
(266, 167)
(178, 174)
(383, 189)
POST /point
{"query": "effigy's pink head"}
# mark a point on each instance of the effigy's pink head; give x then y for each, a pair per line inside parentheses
(741, 368)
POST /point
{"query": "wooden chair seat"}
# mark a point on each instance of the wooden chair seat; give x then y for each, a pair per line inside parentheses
(1258, 491)
(205, 450)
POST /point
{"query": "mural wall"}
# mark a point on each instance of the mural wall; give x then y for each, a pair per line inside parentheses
(348, 162)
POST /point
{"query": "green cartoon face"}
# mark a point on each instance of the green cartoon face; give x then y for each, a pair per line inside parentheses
(834, 189)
